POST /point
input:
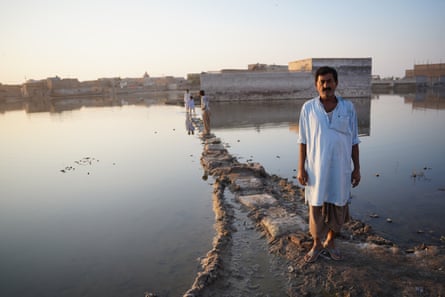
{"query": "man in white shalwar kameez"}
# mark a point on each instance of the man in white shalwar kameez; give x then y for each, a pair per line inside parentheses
(328, 138)
(187, 100)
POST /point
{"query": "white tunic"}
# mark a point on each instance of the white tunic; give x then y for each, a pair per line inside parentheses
(328, 150)
(187, 99)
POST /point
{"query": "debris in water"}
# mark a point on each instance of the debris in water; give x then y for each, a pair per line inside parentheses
(82, 162)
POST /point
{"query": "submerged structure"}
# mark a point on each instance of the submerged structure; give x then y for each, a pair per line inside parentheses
(294, 81)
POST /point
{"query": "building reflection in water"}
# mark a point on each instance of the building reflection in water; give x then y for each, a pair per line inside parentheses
(40, 103)
(235, 114)
(258, 114)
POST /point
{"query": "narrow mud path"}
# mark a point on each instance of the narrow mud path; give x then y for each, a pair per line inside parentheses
(248, 269)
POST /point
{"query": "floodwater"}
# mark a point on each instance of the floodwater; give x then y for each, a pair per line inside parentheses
(110, 201)
(129, 214)
(402, 158)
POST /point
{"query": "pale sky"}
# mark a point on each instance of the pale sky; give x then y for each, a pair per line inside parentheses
(90, 39)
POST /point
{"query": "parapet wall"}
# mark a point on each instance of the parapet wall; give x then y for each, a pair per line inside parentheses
(339, 63)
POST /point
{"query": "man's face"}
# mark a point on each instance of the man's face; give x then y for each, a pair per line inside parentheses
(326, 86)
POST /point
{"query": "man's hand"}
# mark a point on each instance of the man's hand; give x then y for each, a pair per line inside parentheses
(355, 178)
(302, 177)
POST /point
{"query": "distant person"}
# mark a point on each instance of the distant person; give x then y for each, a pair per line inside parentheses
(205, 107)
(328, 138)
(192, 105)
(186, 99)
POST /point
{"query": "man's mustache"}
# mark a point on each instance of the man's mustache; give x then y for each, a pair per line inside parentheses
(327, 89)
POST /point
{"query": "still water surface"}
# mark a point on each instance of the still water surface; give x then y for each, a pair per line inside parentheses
(135, 219)
(134, 215)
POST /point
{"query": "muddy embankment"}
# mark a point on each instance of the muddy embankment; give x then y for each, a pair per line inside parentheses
(275, 209)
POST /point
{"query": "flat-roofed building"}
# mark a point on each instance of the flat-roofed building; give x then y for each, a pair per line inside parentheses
(427, 74)
(294, 82)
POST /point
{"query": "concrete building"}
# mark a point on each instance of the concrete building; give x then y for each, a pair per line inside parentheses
(428, 75)
(55, 83)
(10, 92)
(34, 88)
(293, 82)
(72, 87)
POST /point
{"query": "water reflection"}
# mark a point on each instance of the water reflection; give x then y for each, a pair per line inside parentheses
(258, 114)
(59, 104)
(433, 99)
(189, 124)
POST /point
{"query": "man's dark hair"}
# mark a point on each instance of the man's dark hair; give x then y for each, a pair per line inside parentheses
(326, 70)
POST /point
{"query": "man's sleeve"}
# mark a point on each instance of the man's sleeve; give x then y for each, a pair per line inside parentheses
(302, 128)
(354, 123)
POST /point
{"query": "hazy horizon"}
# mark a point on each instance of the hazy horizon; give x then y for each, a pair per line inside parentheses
(88, 40)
